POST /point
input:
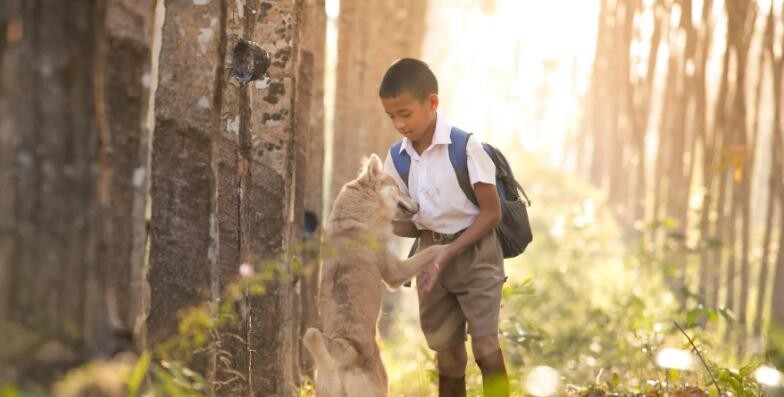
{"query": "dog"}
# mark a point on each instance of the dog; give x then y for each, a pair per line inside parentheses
(356, 266)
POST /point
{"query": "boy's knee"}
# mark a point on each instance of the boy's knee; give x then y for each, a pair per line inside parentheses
(452, 361)
(484, 345)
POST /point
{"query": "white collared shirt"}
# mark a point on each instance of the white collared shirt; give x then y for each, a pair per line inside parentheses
(432, 182)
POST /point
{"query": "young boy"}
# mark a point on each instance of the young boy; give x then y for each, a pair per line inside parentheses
(463, 284)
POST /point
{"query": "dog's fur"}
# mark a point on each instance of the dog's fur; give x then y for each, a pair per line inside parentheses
(356, 262)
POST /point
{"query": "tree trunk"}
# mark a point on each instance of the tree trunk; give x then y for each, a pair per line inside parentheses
(599, 94)
(313, 53)
(776, 331)
(777, 69)
(74, 153)
(701, 131)
(742, 16)
(230, 201)
(711, 235)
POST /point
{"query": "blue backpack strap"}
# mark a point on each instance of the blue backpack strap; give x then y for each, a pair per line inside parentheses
(459, 159)
(401, 160)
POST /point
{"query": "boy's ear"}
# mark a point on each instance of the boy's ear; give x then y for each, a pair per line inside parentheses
(432, 100)
(373, 167)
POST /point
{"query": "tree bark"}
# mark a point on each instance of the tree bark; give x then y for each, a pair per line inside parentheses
(313, 47)
(224, 183)
(73, 143)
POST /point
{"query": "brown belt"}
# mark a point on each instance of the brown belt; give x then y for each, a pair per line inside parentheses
(437, 237)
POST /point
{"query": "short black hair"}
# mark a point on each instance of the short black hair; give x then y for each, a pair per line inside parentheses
(408, 75)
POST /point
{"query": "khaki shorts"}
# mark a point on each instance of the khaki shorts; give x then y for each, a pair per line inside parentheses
(467, 292)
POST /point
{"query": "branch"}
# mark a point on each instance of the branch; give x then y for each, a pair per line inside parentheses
(691, 342)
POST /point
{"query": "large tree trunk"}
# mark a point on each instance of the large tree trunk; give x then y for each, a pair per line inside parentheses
(223, 186)
(312, 53)
(742, 16)
(74, 152)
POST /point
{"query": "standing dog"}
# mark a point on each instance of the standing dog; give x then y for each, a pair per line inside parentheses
(356, 262)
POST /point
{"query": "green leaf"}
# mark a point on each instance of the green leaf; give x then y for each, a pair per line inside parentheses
(137, 374)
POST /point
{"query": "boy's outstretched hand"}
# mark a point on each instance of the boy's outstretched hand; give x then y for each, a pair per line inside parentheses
(428, 277)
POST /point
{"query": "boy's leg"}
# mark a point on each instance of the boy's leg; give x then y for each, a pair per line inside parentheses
(451, 371)
(481, 284)
(488, 356)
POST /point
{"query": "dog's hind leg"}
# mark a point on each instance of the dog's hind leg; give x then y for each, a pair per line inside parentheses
(398, 271)
(328, 352)
(361, 383)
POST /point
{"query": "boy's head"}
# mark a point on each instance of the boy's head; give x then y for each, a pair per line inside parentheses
(408, 75)
(409, 93)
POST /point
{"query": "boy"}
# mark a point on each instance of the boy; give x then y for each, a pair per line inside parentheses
(463, 284)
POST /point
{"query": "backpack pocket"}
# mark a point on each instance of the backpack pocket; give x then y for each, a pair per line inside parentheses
(514, 231)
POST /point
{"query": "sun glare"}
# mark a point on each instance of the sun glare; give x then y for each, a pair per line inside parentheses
(513, 74)
(542, 381)
(675, 359)
(768, 376)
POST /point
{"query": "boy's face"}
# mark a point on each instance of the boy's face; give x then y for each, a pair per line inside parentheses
(411, 117)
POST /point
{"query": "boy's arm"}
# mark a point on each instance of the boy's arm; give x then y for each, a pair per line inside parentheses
(488, 218)
(405, 228)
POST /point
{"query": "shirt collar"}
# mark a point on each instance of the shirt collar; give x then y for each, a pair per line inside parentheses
(441, 135)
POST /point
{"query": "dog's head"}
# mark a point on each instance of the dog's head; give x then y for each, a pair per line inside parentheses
(385, 186)
(372, 198)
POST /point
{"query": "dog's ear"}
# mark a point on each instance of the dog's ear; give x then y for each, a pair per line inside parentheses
(373, 167)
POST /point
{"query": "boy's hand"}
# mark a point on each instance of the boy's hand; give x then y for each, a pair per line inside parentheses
(427, 278)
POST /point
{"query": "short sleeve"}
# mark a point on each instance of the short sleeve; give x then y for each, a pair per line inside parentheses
(480, 166)
(389, 169)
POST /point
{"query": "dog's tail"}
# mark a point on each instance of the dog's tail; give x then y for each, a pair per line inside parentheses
(339, 354)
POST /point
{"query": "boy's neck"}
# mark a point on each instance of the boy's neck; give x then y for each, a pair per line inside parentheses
(424, 142)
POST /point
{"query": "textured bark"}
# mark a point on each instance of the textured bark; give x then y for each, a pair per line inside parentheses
(312, 53)
(223, 185)
(182, 179)
(74, 155)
